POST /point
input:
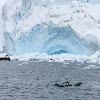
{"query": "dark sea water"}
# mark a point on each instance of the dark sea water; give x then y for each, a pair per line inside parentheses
(35, 81)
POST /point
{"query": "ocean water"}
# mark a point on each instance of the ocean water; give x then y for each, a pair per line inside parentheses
(35, 80)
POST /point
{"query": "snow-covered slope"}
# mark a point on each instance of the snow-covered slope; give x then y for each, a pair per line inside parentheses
(50, 26)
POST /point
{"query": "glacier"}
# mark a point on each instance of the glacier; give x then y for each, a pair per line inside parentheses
(50, 26)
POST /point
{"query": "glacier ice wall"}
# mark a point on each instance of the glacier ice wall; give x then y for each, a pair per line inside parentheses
(50, 26)
(51, 40)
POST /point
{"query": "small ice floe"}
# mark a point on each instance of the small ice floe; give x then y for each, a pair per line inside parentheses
(90, 66)
(66, 63)
(50, 64)
(23, 63)
(79, 64)
(64, 66)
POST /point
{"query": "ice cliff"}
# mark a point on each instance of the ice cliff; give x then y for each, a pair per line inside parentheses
(50, 26)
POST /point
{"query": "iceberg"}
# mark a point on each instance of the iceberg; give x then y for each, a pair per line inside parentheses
(50, 26)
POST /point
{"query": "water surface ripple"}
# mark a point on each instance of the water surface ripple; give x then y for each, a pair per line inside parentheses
(35, 81)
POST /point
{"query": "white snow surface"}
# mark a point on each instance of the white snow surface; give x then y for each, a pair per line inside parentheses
(51, 27)
(67, 58)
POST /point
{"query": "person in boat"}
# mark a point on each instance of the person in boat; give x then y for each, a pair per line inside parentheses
(78, 84)
(66, 83)
(58, 85)
(6, 56)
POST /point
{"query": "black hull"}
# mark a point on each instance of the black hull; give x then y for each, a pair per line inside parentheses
(2, 59)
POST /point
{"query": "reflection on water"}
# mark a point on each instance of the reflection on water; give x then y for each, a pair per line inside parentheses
(35, 81)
